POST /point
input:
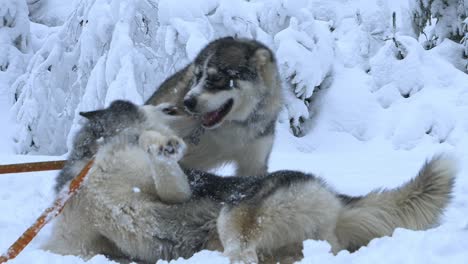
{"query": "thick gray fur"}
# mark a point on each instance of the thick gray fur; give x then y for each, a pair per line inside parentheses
(139, 204)
(103, 124)
(99, 127)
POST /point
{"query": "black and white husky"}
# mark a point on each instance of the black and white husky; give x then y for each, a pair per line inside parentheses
(233, 89)
(139, 204)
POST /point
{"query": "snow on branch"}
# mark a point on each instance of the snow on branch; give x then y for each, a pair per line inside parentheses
(123, 49)
(15, 41)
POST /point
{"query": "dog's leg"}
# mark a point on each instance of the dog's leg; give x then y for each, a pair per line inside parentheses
(237, 231)
(164, 152)
(291, 214)
(253, 159)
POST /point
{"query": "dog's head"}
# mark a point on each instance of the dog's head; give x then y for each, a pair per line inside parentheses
(121, 115)
(230, 77)
(111, 120)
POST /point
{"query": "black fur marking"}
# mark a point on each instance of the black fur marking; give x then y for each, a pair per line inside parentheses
(236, 190)
(234, 60)
(348, 200)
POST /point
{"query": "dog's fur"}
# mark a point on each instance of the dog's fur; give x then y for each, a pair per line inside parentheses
(139, 204)
(245, 136)
(240, 70)
(102, 125)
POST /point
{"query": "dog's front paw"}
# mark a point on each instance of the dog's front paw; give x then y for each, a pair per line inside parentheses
(160, 146)
(173, 147)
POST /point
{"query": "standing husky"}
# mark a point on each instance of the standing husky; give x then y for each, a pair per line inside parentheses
(139, 204)
(233, 89)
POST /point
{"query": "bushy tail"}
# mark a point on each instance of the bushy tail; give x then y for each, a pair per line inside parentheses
(416, 205)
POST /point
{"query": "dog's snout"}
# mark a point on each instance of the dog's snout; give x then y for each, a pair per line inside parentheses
(190, 103)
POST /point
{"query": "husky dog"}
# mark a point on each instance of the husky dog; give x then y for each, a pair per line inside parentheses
(105, 123)
(148, 207)
(139, 204)
(233, 88)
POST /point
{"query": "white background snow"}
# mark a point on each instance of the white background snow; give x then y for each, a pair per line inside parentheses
(368, 117)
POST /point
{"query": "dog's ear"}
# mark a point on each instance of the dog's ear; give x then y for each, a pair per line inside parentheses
(92, 115)
(191, 72)
(122, 105)
(264, 62)
(262, 57)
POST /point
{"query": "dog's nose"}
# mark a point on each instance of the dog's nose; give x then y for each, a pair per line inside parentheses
(190, 103)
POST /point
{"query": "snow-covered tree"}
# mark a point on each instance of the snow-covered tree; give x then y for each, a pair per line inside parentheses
(110, 49)
(122, 49)
(438, 20)
(49, 12)
(95, 57)
(15, 41)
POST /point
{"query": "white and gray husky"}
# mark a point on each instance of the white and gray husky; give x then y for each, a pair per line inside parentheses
(139, 204)
(233, 89)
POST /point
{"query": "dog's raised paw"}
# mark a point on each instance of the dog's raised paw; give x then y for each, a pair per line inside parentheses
(160, 146)
(173, 147)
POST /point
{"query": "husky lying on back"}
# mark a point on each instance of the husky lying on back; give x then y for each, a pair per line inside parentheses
(138, 203)
(233, 88)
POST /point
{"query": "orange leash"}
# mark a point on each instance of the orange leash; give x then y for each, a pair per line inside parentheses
(49, 214)
(32, 166)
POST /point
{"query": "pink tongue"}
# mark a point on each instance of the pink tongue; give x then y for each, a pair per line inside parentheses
(210, 118)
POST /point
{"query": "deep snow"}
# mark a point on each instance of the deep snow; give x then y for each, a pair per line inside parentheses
(373, 122)
(351, 166)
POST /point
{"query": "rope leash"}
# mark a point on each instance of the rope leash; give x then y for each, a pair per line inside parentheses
(49, 214)
(32, 166)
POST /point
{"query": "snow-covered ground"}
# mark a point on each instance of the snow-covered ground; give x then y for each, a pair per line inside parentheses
(349, 165)
(374, 121)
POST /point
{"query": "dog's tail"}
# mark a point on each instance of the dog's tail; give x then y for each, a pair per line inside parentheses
(416, 205)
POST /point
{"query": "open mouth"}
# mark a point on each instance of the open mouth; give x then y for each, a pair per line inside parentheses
(211, 119)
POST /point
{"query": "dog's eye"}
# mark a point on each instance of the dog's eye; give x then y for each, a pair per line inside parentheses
(171, 110)
(217, 80)
(232, 73)
(198, 76)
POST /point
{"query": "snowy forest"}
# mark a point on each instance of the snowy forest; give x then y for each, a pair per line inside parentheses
(60, 59)
(368, 84)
